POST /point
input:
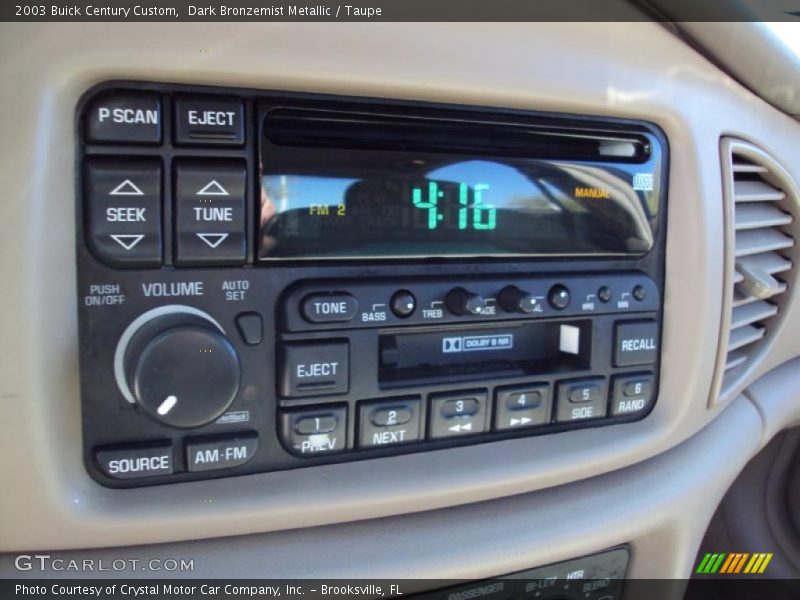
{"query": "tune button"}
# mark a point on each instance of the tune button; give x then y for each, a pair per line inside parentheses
(403, 304)
(461, 302)
(558, 297)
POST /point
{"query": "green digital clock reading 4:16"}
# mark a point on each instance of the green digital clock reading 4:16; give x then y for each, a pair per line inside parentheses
(478, 216)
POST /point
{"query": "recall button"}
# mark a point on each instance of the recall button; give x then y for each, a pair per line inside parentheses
(206, 120)
(136, 462)
(125, 117)
(314, 369)
(636, 343)
(220, 453)
(329, 308)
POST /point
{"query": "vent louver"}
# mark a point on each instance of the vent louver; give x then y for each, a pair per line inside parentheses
(760, 216)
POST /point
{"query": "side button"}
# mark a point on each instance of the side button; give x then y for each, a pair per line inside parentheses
(220, 453)
(315, 430)
(583, 399)
(123, 209)
(136, 462)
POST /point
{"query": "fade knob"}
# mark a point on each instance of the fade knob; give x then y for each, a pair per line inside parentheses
(179, 368)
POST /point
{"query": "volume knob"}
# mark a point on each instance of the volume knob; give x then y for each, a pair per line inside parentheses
(180, 369)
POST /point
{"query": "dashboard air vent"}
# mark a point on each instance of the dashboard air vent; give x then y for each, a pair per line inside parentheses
(760, 216)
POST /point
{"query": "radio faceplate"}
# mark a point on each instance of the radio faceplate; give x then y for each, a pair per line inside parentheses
(198, 362)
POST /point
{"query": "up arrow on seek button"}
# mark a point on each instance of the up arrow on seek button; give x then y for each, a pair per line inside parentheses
(126, 188)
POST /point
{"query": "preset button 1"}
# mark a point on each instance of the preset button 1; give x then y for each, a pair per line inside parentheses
(310, 369)
(314, 430)
(210, 213)
(123, 210)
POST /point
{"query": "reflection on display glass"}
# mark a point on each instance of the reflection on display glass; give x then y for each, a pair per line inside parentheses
(334, 202)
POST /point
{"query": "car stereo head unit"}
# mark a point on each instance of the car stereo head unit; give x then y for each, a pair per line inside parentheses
(269, 280)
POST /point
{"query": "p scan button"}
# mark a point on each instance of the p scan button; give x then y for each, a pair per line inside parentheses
(314, 369)
(125, 117)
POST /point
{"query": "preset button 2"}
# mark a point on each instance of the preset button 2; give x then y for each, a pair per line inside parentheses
(123, 208)
(389, 422)
(210, 213)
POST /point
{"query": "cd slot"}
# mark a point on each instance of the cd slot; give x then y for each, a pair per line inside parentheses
(466, 353)
(317, 128)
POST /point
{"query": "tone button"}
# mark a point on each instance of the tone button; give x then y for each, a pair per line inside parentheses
(329, 308)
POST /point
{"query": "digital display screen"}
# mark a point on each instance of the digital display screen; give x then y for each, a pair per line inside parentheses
(326, 201)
